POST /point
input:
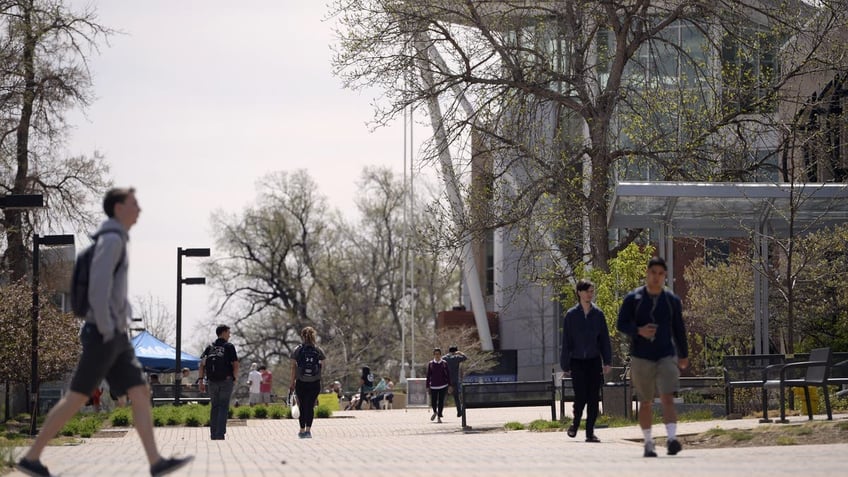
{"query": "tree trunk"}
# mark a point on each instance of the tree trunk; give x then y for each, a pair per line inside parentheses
(16, 254)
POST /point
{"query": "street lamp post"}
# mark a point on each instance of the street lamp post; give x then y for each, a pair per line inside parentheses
(181, 252)
(37, 241)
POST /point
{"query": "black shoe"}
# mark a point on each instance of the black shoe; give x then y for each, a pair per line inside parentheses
(33, 468)
(166, 466)
(673, 446)
(592, 438)
(571, 431)
(649, 452)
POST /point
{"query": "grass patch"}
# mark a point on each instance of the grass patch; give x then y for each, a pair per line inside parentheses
(696, 416)
(802, 430)
(543, 425)
(740, 435)
(514, 426)
(785, 441)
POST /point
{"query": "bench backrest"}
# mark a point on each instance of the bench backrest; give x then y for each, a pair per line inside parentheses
(511, 392)
(817, 374)
(748, 367)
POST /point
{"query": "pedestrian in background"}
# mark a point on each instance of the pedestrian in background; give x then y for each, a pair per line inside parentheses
(438, 380)
(454, 358)
(585, 356)
(653, 319)
(254, 383)
(307, 361)
(265, 385)
(219, 364)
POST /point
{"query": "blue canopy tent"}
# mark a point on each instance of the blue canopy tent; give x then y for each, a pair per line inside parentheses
(157, 356)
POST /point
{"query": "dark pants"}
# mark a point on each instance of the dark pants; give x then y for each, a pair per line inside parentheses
(219, 404)
(307, 398)
(457, 397)
(587, 377)
(437, 400)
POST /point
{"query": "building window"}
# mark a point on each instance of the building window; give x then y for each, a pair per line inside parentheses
(716, 252)
(748, 71)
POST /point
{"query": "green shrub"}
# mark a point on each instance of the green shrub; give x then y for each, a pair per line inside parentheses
(192, 421)
(121, 417)
(84, 425)
(277, 411)
(514, 426)
(260, 412)
(243, 412)
(323, 412)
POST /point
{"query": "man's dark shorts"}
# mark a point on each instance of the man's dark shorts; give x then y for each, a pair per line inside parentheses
(115, 361)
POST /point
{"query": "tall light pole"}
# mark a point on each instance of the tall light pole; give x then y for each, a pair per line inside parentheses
(181, 252)
(38, 241)
(19, 201)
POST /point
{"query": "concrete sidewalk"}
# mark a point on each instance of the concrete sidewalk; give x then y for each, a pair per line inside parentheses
(406, 443)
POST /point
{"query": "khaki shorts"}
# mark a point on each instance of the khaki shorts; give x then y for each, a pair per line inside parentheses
(652, 376)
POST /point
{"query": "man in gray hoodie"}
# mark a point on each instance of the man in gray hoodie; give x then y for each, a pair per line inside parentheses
(106, 349)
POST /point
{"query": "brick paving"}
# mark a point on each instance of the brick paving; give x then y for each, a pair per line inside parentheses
(406, 443)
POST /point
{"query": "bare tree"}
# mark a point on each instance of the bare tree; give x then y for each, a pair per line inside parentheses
(156, 317)
(43, 73)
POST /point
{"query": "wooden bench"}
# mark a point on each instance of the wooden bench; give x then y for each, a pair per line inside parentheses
(510, 394)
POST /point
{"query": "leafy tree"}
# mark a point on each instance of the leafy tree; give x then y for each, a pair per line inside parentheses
(58, 347)
(719, 307)
(44, 47)
(568, 97)
(822, 298)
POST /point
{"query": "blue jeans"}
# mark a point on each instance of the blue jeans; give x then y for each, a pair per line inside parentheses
(219, 403)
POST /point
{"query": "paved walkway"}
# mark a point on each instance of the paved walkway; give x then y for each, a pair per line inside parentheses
(406, 443)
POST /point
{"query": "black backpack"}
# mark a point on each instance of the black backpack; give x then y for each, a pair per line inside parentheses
(81, 276)
(217, 367)
(309, 363)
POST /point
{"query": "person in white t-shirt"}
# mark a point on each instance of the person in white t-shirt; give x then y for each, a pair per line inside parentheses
(254, 380)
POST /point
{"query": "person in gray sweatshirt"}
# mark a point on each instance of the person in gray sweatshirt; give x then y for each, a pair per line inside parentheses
(107, 352)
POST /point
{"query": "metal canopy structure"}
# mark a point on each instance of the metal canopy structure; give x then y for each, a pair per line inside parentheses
(729, 209)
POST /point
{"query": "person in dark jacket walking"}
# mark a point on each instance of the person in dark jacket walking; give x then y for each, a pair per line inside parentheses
(586, 356)
(454, 358)
(653, 318)
(438, 380)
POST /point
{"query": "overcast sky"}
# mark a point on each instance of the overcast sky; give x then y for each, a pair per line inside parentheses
(199, 99)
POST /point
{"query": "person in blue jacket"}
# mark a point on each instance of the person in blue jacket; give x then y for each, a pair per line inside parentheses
(586, 355)
(653, 319)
